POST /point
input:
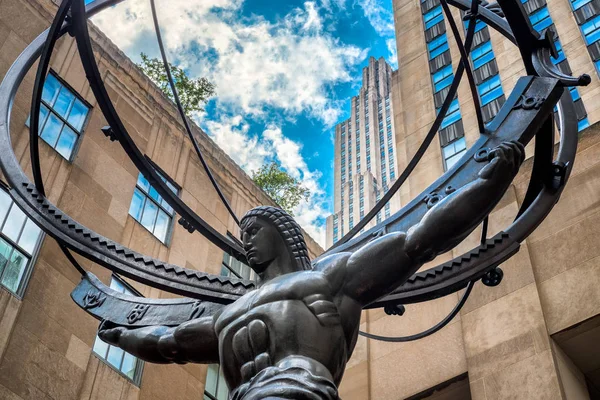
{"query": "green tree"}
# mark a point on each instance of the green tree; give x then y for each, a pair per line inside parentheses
(193, 93)
(283, 188)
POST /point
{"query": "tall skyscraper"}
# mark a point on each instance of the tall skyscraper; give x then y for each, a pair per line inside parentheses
(365, 153)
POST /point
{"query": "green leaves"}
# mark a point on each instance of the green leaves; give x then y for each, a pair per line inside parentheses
(285, 190)
(193, 93)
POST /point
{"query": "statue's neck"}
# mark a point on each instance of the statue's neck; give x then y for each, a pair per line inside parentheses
(282, 265)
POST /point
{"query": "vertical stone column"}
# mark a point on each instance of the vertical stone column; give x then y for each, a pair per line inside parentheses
(356, 384)
(9, 309)
(402, 370)
(506, 341)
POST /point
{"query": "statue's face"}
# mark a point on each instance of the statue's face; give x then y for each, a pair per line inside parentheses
(262, 243)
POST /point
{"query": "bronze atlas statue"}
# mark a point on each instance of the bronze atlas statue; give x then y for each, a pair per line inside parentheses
(290, 335)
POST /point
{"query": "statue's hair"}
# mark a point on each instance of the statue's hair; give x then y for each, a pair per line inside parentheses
(287, 227)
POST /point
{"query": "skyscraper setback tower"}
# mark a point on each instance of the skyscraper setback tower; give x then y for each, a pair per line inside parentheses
(365, 153)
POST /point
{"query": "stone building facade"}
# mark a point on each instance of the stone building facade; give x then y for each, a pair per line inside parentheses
(537, 334)
(365, 154)
(48, 347)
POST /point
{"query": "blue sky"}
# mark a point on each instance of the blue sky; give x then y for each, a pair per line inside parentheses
(284, 73)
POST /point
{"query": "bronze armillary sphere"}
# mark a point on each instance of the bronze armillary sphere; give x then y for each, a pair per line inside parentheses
(290, 335)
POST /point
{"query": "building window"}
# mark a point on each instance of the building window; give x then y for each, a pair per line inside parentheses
(482, 55)
(490, 90)
(442, 78)
(541, 20)
(236, 269)
(436, 47)
(63, 115)
(151, 210)
(485, 71)
(120, 360)
(335, 228)
(215, 387)
(19, 244)
(453, 151)
(587, 14)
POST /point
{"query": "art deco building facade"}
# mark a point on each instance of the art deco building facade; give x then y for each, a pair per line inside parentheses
(365, 153)
(537, 334)
(48, 346)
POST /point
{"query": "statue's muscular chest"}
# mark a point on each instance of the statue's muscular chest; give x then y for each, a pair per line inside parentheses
(307, 290)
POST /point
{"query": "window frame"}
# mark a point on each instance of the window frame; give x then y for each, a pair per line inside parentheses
(490, 89)
(32, 257)
(220, 379)
(482, 54)
(168, 179)
(457, 153)
(593, 32)
(433, 17)
(231, 272)
(452, 115)
(437, 46)
(442, 78)
(577, 4)
(478, 26)
(51, 110)
(542, 19)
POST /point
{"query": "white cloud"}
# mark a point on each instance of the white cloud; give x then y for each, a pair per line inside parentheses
(380, 17)
(333, 5)
(250, 152)
(291, 64)
(231, 134)
(393, 57)
(382, 20)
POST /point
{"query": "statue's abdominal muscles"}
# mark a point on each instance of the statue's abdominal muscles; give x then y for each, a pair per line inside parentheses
(258, 332)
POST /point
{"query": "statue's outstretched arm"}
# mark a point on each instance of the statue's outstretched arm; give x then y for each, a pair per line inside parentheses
(194, 341)
(386, 263)
(455, 217)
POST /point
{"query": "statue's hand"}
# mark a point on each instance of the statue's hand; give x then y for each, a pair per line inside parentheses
(505, 162)
(111, 335)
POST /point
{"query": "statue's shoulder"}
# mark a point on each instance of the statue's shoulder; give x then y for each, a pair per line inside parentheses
(331, 262)
(333, 267)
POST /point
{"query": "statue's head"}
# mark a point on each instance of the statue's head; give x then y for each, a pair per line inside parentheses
(269, 233)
